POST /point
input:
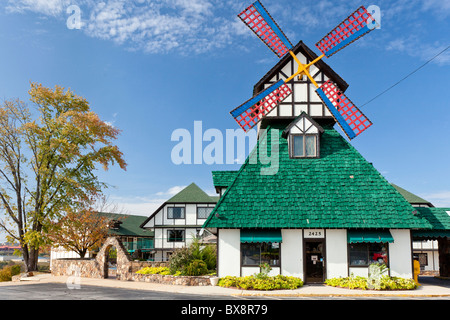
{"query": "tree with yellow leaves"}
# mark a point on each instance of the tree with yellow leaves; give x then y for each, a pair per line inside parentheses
(47, 165)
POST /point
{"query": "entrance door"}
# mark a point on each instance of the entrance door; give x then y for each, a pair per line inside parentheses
(314, 261)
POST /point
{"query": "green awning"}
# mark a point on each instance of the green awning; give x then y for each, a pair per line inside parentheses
(369, 236)
(430, 234)
(250, 236)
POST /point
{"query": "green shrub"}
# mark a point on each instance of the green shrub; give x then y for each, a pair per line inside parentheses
(384, 283)
(196, 268)
(269, 283)
(181, 259)
(15, 270)
(264, 274)
(209, 255)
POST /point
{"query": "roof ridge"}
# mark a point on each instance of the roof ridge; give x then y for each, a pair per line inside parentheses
(190, 191)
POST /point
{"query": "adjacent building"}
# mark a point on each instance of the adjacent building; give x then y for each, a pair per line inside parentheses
(179, 220)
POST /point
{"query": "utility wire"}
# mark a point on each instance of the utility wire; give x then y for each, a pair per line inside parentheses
(410, 74)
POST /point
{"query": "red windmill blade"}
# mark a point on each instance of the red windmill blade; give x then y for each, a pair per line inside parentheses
(351, 120)
(262, 24)
(248, 114)
(346, 114)
(358, 24)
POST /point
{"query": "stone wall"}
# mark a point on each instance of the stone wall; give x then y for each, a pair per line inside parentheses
(126, 269)
(86, 268)
(174, 280)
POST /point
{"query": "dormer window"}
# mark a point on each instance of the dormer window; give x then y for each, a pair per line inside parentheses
(303, 137)
(304, 145)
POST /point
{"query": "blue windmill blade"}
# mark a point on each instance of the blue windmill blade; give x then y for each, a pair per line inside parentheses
(264, 26)
(248, 114)
(358, 24)
(351, 120)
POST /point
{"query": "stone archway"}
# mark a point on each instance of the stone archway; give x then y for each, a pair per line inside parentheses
(123, 260)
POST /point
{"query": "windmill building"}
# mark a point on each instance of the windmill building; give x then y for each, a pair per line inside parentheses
(326, 212)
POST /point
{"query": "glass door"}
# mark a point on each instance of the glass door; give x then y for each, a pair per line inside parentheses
(314, 260)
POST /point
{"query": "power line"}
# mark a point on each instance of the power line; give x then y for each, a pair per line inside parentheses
(410, 74)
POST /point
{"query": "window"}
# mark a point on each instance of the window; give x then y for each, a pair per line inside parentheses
(175, 213)
(363, 254)
(423, 259)
(203, 212)
(303, 146)
(175, 235)
(255, 254)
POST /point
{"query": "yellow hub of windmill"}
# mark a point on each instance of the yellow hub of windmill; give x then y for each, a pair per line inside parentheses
(303, 69)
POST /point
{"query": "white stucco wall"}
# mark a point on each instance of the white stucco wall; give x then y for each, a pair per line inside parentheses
(336, 253)
(292, 253)
(229, 252)
(400, 255)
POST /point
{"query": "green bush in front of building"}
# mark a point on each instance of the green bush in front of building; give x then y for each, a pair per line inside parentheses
(195, 260)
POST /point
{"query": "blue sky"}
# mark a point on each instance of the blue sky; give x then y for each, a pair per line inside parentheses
(151, 67)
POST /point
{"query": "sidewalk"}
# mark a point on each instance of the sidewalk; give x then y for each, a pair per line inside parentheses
(426, 290)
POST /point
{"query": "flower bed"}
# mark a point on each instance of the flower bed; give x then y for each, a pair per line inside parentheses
(162, 275)
(384, 283)
(261, 283)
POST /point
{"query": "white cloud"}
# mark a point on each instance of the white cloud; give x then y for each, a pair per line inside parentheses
(47, 7)
(200, 26)
(160, 26)
(439, 7)
(439, 199)
(144, 205)
(171, 191)
(138, 205)
(410, 47)
(154, 26)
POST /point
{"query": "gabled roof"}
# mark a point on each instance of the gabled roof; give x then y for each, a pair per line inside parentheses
(303, 48)
(191, 194)
(129, 225)
(411, 197)
(296, 120)
(338, 190)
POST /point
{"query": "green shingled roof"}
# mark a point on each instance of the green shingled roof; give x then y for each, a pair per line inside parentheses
(439, 218)
(223, 178)
(410, 197)
(338, 190)
(192, 193)
(129, 226)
